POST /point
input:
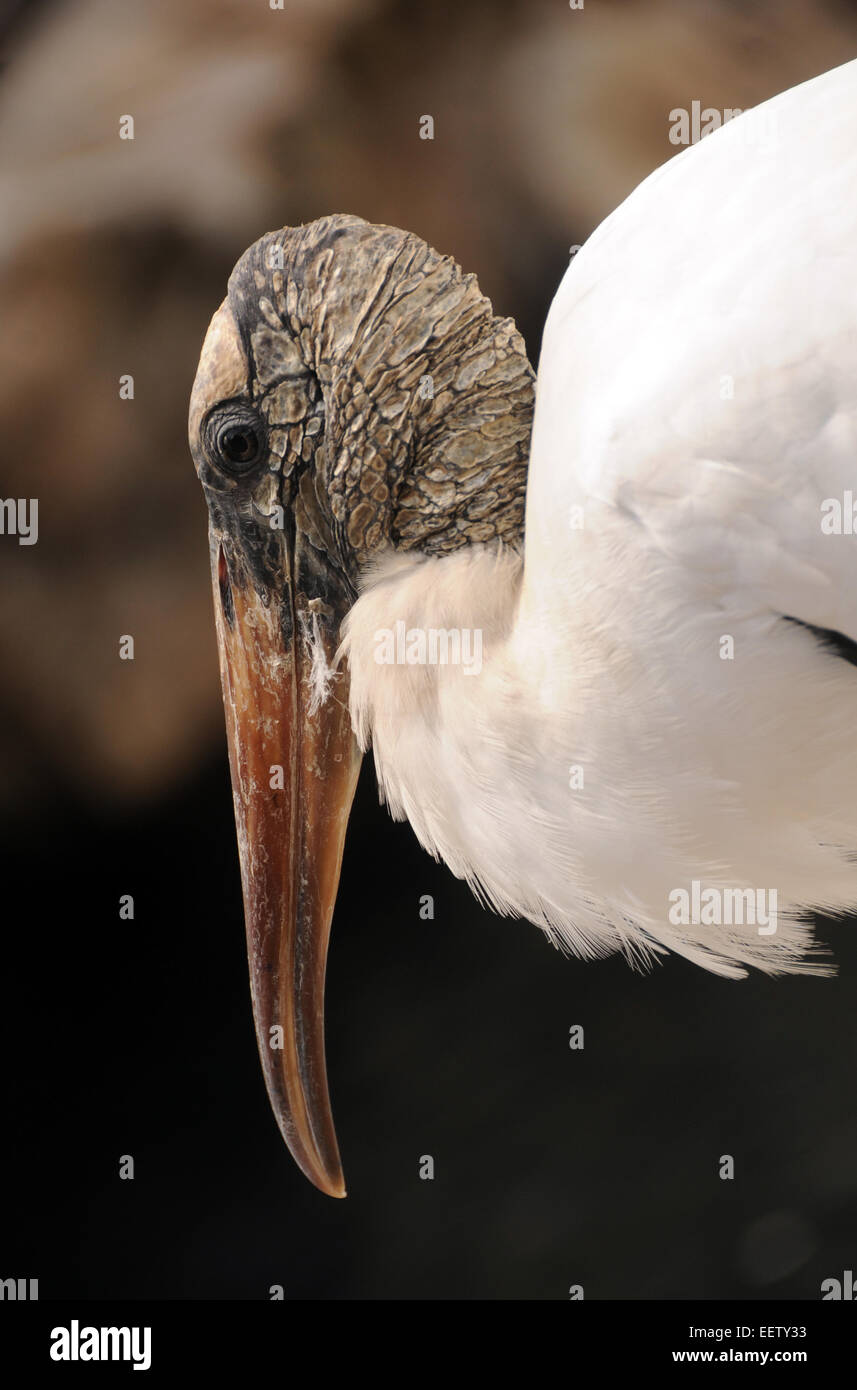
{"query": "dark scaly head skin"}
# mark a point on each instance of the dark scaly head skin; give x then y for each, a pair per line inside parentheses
(338, 342)
(355, 393)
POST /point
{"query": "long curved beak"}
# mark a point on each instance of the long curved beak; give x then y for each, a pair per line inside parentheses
(294, 764)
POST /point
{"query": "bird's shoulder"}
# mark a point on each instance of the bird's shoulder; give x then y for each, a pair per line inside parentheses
(697, 388)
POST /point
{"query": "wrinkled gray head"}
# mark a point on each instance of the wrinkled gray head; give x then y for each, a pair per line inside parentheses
(371, 390)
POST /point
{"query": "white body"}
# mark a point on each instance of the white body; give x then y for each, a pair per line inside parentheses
(696, 412)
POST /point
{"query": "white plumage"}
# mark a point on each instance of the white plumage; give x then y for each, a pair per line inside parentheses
(696, 408)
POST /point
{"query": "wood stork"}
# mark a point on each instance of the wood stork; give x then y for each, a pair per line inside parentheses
(661, 724)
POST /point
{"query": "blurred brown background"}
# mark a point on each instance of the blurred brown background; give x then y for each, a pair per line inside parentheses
(113, 256)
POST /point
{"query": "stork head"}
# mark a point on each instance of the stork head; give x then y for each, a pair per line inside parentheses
(355, 394)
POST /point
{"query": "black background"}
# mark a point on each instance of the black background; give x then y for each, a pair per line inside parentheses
(450, 1038)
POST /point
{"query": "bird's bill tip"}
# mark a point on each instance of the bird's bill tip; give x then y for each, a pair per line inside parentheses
(294, 770)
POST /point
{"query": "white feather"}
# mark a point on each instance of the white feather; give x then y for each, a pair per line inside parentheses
(701, 521)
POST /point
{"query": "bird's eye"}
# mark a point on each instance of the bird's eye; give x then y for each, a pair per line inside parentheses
(237, 439)
(239, 445)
